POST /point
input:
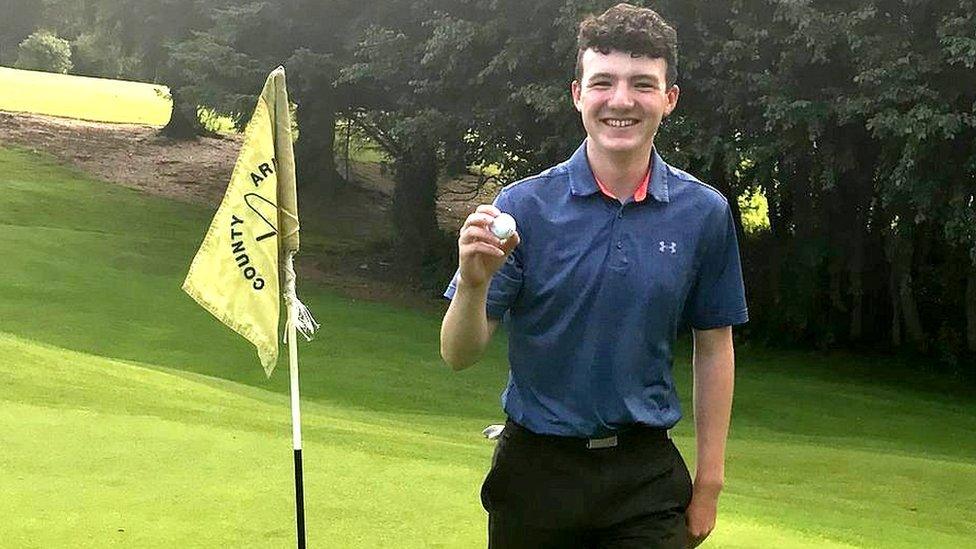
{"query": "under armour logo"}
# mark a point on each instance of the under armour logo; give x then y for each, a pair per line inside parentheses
(664, 246)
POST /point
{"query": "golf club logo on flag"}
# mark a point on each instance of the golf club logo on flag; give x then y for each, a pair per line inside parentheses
(237, 273)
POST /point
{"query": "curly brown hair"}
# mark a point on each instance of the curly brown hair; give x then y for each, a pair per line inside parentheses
(630, 29)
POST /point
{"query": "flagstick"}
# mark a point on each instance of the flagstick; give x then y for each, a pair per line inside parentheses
(296, 428)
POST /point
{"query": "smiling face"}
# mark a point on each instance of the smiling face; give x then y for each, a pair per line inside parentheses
(622, 100)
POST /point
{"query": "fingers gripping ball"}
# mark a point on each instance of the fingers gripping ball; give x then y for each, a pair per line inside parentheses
(503, 226)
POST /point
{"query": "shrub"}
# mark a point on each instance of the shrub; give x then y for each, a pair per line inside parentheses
(44, 51)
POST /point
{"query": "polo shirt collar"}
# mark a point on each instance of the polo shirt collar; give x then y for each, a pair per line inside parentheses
(582, 182)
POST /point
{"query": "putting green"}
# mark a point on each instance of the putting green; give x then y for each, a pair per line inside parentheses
(130, 417)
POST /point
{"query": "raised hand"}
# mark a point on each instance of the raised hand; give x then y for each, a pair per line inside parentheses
(481, 253)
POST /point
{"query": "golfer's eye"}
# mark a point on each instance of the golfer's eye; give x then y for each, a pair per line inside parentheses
(645, 86)
(600, 84)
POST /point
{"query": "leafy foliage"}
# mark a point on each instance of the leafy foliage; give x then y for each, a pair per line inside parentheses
(20, 19)
(44, 51)
(855, 119)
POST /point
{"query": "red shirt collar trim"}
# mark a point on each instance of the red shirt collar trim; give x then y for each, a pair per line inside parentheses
(640, 193)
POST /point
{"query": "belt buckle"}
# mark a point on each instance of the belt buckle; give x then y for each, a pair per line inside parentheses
(598, 443)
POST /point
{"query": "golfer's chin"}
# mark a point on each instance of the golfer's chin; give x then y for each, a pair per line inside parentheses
(622, 145)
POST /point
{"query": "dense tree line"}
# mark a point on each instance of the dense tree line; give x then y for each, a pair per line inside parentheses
(855, 119)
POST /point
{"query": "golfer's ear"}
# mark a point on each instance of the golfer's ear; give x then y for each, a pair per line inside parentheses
(673, 92)
(575, 89)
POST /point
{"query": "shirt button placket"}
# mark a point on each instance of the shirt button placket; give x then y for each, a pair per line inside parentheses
(619, 262)
(620, 215)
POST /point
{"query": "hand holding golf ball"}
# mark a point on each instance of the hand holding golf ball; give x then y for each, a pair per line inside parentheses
(503, 226)
(486, 239)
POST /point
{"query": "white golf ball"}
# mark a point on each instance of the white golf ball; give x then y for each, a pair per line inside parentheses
(503, 226)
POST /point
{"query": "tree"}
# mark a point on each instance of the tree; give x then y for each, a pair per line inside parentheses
(242, 41)
(20, 19)
(462, 83)
(44, 51)
(130, 39)
(853, 118)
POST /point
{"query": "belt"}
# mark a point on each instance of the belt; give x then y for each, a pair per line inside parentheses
(630, 435)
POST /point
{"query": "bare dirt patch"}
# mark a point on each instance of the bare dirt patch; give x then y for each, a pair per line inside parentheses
(130, 155)
(137, 157)
(457, 196)
(197, 171)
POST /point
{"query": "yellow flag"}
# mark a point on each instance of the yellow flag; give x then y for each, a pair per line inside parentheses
(237, 273)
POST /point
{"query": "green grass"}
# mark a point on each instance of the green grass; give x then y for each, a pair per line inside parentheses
(361, 147)
(97, 99)
(131, 418)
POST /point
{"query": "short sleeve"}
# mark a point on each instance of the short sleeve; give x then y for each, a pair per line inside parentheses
(506, 283)
(718, 296)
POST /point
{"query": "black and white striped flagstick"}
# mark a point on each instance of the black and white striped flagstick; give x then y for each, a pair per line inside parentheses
(296, 429)
(299, 319)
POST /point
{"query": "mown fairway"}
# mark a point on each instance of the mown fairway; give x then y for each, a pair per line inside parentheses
(130, 417)
(96, 99)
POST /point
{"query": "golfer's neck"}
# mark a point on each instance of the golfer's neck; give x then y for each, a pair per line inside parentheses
(619, 172)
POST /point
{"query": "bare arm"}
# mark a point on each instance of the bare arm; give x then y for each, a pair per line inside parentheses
(714, 372)
(466, 329)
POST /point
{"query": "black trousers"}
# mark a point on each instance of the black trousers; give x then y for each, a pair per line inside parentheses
(556, 492)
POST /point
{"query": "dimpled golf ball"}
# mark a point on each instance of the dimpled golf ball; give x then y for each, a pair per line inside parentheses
(503, 226)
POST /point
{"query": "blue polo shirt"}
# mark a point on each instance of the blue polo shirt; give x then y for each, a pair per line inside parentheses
(596, 291)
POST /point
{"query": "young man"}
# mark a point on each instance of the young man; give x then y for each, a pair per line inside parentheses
(615, 251)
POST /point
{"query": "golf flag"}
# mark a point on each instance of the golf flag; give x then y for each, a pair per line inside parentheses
(244, 265)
